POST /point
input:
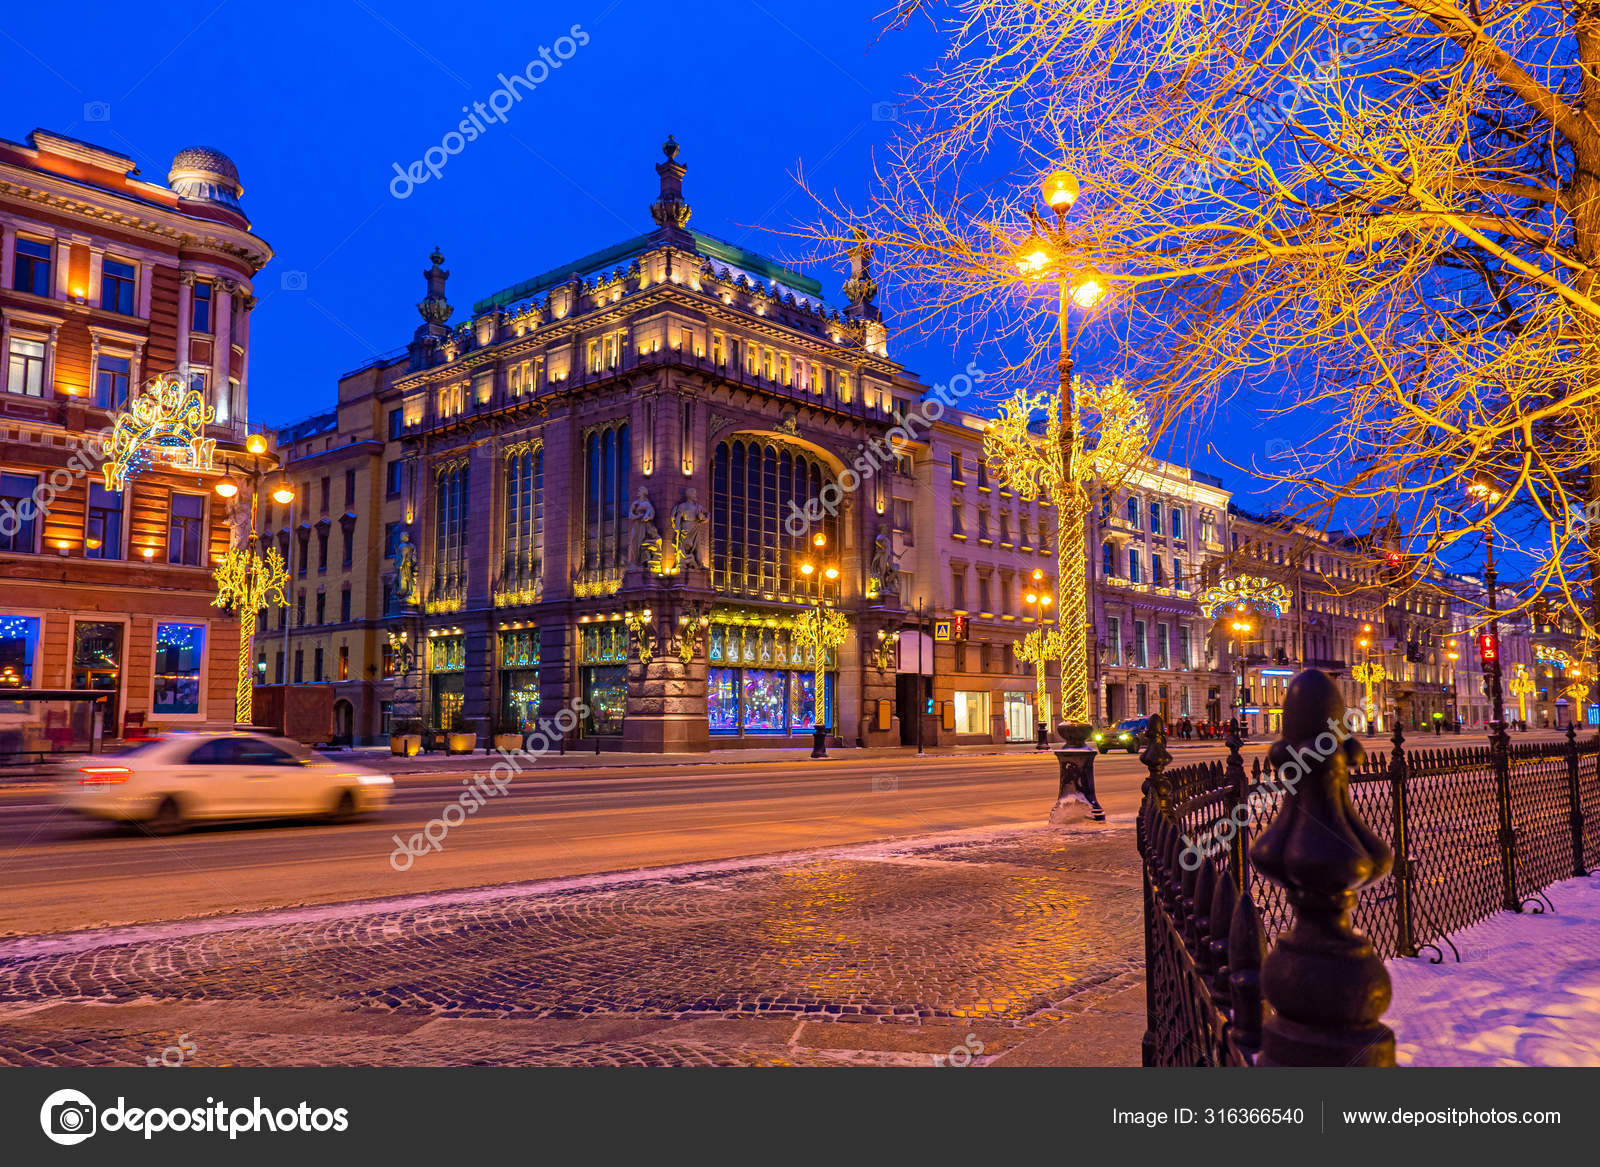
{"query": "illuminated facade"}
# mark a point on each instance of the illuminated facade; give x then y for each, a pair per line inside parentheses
(341, 540)
(613, 472)
(109, 281)
(1157, 542)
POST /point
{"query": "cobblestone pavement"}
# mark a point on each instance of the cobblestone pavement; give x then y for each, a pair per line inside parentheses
(1017, 947)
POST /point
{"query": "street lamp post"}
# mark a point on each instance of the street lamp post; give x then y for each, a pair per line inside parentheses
(819, 566)
(247, 582)
(1489, 493)
(1241, 630)
(1037, 646)
(1059, 191)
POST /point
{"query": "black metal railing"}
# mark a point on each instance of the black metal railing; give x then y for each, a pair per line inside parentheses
(1327, 853)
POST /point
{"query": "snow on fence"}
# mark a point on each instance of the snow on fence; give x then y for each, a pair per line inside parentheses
(1345, 858)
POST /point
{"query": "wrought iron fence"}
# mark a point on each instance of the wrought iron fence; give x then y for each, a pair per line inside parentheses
(1243, 870)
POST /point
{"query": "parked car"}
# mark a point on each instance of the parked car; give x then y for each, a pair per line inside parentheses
(1125, 735)
(202, 777)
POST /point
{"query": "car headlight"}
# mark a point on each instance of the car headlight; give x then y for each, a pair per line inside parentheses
(1123, 736)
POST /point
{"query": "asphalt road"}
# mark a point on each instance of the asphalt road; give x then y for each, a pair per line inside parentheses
(61, 873)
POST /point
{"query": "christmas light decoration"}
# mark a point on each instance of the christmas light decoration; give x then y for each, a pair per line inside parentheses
(167, 421)
(1370, 675)
(1246, 590)
(1521, 686)
(1055, 465)
(819, 631)
(248, 583)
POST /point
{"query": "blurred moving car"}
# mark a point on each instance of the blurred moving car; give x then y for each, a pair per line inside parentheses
(172, 781)
(1125, 735)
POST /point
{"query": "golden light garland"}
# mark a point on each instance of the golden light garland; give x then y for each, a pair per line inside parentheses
(1038, 648)
(168, 419)
(1054, 465)
(248, 583)
(819, 631)
(1522, 686)
(1253, 590)
(1370, 675)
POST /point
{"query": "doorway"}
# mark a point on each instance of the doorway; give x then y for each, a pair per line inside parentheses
(97, 650)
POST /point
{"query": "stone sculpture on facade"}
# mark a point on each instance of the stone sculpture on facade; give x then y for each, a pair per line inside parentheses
(886, 565)
(644, 537)
(405, 559)
(689, 521)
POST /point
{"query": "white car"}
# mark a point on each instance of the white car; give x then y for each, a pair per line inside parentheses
(201, 777)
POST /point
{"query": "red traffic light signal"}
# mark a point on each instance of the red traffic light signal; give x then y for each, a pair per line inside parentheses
(1488, 648)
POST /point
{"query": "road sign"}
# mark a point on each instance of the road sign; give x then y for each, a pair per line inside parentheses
(941, 630)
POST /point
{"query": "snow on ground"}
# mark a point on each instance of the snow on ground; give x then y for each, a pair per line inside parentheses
(1526, 993)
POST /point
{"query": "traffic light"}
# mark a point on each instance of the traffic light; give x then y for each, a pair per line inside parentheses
(1488, 648)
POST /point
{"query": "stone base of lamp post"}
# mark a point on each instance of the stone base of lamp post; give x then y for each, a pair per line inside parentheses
(819, 743)
(1075, 801)
(1074, 733)
(1044, 737)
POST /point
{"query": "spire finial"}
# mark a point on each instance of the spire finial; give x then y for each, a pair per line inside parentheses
(669, 210)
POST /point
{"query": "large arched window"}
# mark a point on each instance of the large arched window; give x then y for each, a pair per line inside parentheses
(760, 526)
(524, 518)
(607, 459)
(450, 532)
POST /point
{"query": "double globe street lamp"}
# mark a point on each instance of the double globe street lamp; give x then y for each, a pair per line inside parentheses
(818, 567)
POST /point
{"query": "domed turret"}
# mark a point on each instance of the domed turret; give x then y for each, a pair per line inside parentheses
(205, 175)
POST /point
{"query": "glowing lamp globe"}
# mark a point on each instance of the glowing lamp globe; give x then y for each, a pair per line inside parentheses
(1059, 190)
(283, 496)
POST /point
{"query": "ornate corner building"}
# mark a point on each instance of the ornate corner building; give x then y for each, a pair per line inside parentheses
(125, 311)
(614, 479)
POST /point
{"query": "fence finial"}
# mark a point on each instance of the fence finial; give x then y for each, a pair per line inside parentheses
(1324, 982)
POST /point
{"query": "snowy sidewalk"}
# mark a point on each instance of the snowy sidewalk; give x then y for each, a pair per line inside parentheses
(1526, 993)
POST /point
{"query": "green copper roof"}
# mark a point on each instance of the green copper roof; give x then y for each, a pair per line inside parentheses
(707, 245)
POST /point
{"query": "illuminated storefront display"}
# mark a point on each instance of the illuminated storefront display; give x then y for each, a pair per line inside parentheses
(603, 655)
(19, 642)
(519, 679)
(775, 695)
(447, 663)
(180, 653)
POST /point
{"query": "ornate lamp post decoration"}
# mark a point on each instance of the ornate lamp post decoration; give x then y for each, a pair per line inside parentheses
(247, 583)
(1522, 685)
(1060, 467)
(884, 656)
(644, 634)
(819, 632)
(1579, 692)
(1038, 648)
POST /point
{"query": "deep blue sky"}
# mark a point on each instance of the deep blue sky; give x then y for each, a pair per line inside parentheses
(316, 103)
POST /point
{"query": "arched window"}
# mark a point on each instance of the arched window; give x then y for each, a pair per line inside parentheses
(450, 531)
(607, 461)
(524, 495)
(761, 525)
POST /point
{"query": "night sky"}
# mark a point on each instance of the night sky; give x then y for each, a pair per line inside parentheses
(317, 104)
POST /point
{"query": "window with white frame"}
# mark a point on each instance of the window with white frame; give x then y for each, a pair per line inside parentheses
(179, 655)
(25, 366)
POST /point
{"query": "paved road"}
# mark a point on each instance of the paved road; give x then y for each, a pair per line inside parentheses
(62, 873)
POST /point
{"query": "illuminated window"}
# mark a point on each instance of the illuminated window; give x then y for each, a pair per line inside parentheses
(19, 643)
(102, 529)
(179, 655)
(25, 367)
